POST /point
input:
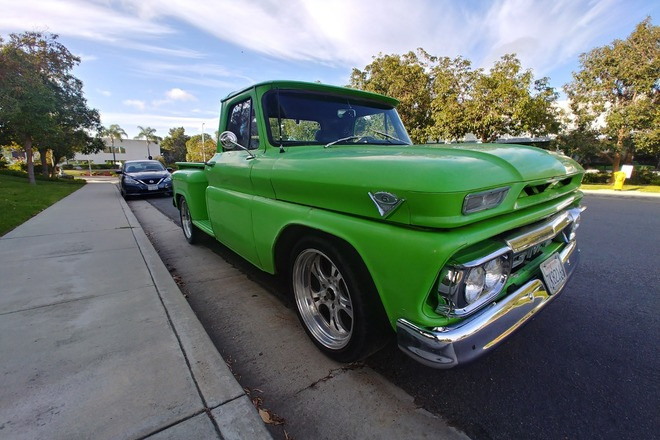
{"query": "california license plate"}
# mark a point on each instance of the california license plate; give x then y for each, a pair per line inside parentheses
(152, 187)
(554, 273)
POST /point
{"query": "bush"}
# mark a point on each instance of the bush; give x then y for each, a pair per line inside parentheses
(644, 176)
(597, 178)
(22, 174)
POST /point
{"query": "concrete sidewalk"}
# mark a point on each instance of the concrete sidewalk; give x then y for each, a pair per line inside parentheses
(96, 339)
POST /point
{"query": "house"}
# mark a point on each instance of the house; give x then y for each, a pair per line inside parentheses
(126, 149)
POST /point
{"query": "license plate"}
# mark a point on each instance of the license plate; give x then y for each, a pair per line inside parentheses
(152, 187)
(553, 273)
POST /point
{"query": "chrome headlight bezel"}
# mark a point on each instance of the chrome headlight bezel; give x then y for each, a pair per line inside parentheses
(130, 180)
(481, 201)
(464, 286)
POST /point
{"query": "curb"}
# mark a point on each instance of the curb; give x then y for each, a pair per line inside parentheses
(225, 400)
(624, 194)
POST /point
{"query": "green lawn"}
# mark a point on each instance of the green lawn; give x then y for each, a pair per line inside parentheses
(640, 188)
(19, 200)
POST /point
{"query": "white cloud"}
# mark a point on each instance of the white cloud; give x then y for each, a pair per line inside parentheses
(77, 18)
(104, 92)
(543, 33)
(140, 105)
(177, 94)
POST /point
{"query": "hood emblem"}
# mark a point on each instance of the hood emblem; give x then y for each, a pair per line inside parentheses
(151, 181)
(385, 202)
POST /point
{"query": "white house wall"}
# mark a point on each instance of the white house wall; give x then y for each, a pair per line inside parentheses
(134, 150)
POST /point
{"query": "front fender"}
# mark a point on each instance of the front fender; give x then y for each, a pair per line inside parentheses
(191, 184)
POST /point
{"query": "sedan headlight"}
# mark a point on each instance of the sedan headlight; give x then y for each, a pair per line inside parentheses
(481, 201)
(167, 179)
(129, 179)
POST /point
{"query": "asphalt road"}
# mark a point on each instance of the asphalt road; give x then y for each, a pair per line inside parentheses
(587, 367)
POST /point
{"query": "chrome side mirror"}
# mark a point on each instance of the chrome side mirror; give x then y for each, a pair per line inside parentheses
(230, 142)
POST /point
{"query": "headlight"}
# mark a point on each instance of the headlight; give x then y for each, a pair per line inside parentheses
(474, 284)
(464, 288)
(128, 179)
(167, 179)
(494, 272)
(484, 200)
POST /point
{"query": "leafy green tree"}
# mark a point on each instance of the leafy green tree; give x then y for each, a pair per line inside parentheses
(507, 101)
(113, 132)
(452, 83)
(583, 145)
(405, 78)
(621, 81)
(148, 134)
(38, 92)
(174, 145)
(198, 153)
(445, 99)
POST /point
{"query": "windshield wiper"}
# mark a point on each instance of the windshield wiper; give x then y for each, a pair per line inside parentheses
(348, 138)
(388, 136)
(360, 136)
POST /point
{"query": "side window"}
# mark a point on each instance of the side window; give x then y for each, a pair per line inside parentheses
(243, 123)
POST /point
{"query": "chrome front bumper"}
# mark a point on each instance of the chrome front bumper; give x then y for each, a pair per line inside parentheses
(473, 337)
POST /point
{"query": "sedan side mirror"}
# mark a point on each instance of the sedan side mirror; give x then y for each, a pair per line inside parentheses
(170, 170)
(119, 172)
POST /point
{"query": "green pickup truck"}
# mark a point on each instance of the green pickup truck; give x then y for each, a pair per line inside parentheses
(453, 247)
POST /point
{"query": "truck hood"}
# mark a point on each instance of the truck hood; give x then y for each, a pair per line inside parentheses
(433, 180)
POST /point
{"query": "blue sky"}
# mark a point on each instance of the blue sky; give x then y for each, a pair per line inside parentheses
(167, 63)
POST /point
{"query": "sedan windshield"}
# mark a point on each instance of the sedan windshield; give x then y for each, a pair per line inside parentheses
(139, 167)
(298, 117)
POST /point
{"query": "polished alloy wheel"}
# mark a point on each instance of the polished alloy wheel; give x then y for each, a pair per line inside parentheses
(323, 299)
(186, 221)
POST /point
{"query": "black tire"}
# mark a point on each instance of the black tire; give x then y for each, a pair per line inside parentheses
(190, 231)
(336, 300)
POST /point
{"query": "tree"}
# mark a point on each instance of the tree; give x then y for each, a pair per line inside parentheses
(507, 101)
(148, 134)
(620, 81)
(113, 132)
(198, 153)
(405, 78)
(452, 83)
(445, 99)
(39, 96)
(174, 145)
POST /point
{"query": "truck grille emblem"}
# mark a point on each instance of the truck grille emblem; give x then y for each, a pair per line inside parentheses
(385, 202)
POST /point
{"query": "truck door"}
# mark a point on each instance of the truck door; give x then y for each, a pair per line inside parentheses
(230, 194)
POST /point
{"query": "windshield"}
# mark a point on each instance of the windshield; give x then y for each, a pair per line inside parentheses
(139, 167)
(304, 117)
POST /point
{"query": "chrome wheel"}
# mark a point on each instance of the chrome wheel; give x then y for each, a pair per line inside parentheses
(186, 221)
(323, 299)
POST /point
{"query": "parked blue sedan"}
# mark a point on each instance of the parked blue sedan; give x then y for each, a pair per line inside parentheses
(140, 177)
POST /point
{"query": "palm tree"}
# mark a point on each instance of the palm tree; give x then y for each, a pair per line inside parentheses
(113, 132)
(149, 134)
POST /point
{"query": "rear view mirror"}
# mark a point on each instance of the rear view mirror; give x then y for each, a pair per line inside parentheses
(346, 113)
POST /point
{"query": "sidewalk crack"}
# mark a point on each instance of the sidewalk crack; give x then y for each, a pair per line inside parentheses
(332, 374)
